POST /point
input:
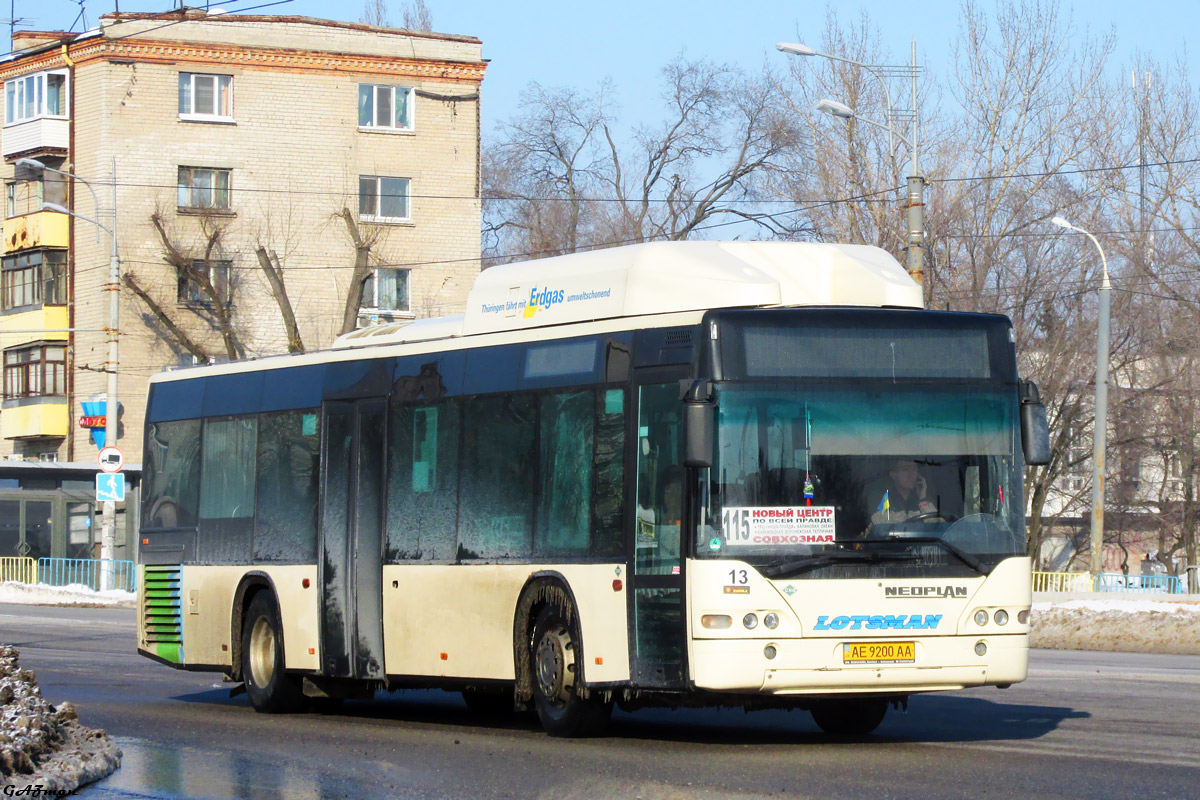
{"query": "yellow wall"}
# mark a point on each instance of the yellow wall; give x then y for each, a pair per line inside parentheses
(40, 419)
(47, 323)
(41, 229)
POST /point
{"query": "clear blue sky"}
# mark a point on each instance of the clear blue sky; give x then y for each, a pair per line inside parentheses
(578, 44)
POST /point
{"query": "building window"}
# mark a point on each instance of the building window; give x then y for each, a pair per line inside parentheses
(37, 277)
(34, 96)
(385, 107)
(383, 199)
(194, 289)
(203, 188)
(205, 97)
(386, 290)
(35, 371)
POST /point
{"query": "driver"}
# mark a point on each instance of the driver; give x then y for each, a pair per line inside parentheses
(904, 496)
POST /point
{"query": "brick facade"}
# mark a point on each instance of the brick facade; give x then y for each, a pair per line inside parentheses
(294, 152)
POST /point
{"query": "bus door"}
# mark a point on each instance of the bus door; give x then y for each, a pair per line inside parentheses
(658, 638)
(351, 568)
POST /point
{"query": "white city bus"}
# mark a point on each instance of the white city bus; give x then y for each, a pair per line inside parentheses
(667, 474)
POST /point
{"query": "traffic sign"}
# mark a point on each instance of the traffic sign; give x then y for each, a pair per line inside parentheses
(111, 459)
(110, 487)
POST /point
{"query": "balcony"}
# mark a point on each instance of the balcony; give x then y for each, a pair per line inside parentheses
(43, 136)
(34, 417)
(45, 324)
(39, 229)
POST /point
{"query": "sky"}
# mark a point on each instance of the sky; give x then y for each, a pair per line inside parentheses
(580, 44)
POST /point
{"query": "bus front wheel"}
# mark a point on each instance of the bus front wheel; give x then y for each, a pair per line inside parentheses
(850, 717)
(270, 689)
(556, 665)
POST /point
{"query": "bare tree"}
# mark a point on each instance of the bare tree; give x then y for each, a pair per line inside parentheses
(417, 16)
(375, 12)
(562, 176)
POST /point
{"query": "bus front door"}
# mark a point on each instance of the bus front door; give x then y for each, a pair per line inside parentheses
(658, 640)
(351, 572)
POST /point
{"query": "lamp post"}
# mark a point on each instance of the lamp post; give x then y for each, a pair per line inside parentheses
(109, 514)
(916, 183)
(1100, 427)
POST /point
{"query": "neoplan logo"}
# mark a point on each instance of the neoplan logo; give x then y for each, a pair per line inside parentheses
(909, 592)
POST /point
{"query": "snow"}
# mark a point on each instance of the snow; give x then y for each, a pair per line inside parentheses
(1123, 606)
(1126, 624)
(75, 595)
(43, 748)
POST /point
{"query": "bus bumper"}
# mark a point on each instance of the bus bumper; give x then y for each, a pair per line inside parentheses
(815, 666)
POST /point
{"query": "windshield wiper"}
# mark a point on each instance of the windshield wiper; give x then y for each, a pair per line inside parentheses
(963, 556)
(826, 559)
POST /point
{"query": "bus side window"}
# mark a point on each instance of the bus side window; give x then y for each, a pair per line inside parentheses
(422, 494)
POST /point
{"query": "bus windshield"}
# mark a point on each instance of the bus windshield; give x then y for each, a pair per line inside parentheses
(870, 480)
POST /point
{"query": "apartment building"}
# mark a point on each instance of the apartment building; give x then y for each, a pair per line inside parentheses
(245, 165)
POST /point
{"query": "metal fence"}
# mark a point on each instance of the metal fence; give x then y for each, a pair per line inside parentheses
(1062, 582)
(21, 570)
(1107, 582)
(1149, 584)
(88, 572)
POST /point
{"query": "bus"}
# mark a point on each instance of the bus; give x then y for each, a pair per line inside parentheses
(668, 474)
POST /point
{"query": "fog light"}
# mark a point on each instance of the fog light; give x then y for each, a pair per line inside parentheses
(981, 648)
(750, 621)
(716, 621)
(769, 651)
(1001, 617)
(1023, 616)
(771, 620)
(981, 617)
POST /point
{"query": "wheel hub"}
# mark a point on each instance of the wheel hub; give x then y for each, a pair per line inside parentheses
(555, 664)
(262, 653)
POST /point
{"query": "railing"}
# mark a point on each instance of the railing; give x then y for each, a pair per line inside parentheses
(1062, 582)
(1149, 584)
(1107, 582)
(87, 572)
(21, 570)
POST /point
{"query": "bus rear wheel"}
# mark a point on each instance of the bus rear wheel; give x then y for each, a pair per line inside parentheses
(850, 717)
(556, 668)
(270, 689)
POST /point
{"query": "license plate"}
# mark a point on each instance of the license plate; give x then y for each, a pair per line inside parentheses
(879, 653)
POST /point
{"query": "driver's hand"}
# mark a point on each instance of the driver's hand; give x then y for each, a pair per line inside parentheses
(921, 487)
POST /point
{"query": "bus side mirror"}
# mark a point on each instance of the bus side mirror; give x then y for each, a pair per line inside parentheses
(697, 423)
(1035, 430)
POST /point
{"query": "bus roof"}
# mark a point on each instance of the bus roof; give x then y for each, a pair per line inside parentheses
(663, 277)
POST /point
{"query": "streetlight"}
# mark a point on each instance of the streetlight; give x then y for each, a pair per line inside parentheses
(109, 515)
(916, 183)
(1100, 427)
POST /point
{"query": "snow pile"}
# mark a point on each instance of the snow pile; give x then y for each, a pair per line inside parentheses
(1127, 625)
(75, 595)
(44, 746)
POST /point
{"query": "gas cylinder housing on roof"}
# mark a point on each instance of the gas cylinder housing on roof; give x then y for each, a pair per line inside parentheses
(666, 277)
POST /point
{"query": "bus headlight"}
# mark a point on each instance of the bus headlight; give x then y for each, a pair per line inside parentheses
(981, 617)
(1023, 616)
(981, 648)
(750, 621)
(716, 621)
(1001, 617)
(771, 620)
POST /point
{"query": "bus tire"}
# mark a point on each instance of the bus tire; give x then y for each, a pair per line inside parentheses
(561, 709)
(270, 689)
(856, 716)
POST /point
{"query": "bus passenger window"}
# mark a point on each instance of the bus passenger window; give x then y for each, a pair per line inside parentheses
(422, 493)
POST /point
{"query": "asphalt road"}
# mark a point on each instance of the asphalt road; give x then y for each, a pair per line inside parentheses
(1083, 725)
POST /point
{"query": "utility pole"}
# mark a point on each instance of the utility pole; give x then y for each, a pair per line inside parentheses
(916, 192)
(108, 519)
